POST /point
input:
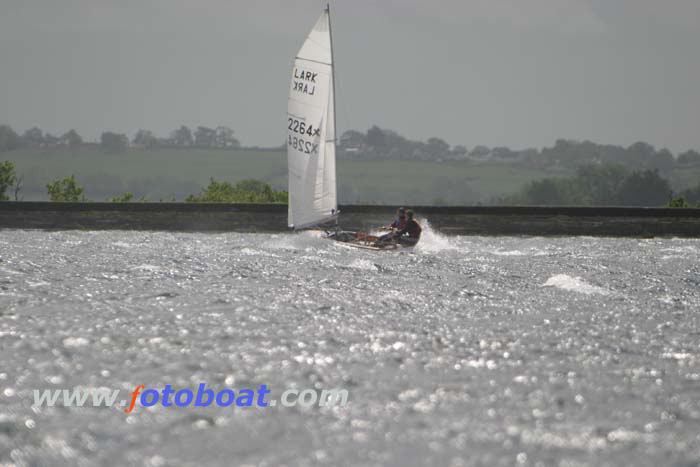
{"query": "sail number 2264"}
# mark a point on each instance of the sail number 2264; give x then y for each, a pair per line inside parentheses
(299, 142)
(301, 128)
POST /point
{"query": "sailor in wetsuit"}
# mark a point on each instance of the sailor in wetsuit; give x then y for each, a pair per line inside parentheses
(398, 224)
(400, 221)
(410, 234)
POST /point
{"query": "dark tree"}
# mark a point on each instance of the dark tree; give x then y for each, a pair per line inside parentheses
(641, 153)
(545, 192)
(375, 137)
(437, 147)
(600, 184)
(182, 137)
(204, 137)
(571, 153)
(352, 139)
(224, 138)
(645, 188)
(459, 151)
(114, 142)
(71, 138)
(9, 140)
(145, 138)
(33, 137)
(480, 151)
(662, 160)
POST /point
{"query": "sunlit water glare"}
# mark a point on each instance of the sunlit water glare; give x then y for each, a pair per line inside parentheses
(466, 351)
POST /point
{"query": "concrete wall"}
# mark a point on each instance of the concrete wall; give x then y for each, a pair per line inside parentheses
(501, 220)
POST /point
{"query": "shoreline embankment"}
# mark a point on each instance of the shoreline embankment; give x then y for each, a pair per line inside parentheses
(451, 220)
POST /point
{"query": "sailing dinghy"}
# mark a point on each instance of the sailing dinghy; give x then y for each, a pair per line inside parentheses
(311, 139)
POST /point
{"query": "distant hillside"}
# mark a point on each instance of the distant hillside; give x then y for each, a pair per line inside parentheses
(175, 172)
(376, 166)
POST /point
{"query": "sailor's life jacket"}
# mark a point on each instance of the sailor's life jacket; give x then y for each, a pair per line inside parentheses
(412, 229)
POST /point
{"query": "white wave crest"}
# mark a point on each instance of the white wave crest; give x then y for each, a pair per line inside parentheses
(500, 252)
(363, 264)
(574, 284)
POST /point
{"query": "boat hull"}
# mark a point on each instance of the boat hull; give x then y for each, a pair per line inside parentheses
(359, 240)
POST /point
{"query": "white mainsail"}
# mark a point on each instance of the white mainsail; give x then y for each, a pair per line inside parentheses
(311, 131)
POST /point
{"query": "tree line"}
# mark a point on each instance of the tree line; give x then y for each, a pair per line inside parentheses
(221, 137)
(377, 143)
(604, 185)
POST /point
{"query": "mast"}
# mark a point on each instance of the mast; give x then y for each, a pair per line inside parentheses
(330, 33)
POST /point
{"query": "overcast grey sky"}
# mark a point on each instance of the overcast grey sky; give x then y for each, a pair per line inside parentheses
(519, 73)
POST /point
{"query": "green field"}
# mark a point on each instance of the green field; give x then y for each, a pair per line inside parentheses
(176, 173)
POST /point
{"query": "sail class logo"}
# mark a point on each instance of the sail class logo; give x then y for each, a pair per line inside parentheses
(305, 81)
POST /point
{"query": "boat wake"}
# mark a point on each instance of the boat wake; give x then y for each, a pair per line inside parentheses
(432, 241)
(303, 240)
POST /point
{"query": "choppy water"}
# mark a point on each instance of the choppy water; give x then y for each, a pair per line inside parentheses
(468, 351)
